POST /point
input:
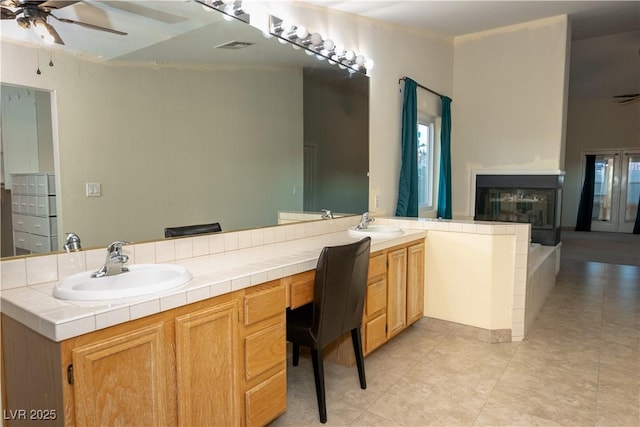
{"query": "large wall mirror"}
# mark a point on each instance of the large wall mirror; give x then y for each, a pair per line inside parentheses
(183, 131)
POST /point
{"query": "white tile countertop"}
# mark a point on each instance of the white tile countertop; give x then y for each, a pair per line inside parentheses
(213, 275)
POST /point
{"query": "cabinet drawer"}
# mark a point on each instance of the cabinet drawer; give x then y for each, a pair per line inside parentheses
(22, 240)
(31, 204)
(45, 185)
(377, 265)
(31, 185)
(43, 226)
(40, 244)
(20, 222)
(45, 206)
(263, 302)
(376, 296)
(375, 333)
(301, 291)
(15, 203)
(265, 349)
(23, 200)
(267, 400)
(19, 184)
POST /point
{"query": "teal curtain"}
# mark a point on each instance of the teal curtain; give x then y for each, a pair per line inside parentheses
(585, 208)
(636, 226)
(408, 187)
(444, 182)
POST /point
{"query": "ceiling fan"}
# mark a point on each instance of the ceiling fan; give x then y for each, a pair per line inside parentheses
(627, 98)
(35, 13)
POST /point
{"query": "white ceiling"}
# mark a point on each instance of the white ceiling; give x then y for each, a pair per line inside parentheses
(181, 31)
(456, 18)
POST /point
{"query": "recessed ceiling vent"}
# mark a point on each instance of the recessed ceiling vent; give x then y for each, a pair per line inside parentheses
(234, 45)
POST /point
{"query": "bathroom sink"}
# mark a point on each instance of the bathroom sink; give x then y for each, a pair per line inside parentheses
(376, 231)
(141, 279)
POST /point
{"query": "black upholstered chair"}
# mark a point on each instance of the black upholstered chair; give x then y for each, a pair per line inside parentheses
(189, 230)
(338, 301)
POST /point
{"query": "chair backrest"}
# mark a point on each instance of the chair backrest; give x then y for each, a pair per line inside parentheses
(340, 290)
(189, 230)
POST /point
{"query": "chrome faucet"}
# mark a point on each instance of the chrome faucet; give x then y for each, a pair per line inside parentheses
(115, 260)
(72, 243)
(364, 221)
(327, 214)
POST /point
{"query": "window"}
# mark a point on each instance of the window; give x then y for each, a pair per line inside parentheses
(426, 167)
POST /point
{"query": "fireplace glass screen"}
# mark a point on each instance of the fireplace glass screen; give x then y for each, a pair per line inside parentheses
(533, 199)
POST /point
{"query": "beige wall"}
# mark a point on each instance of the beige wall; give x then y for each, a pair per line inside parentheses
(509, 102)
(470, 279)
(397, 52)
(169, 145)
(601, 67)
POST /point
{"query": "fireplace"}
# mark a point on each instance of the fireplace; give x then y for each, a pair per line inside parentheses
(533, 199)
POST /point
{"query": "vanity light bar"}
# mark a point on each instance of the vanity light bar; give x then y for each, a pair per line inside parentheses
(315, 44)
(232, 9)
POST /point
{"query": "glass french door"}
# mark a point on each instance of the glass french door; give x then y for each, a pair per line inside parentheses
(616, 191)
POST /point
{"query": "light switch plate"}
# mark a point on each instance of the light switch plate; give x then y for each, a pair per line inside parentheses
(93, 189)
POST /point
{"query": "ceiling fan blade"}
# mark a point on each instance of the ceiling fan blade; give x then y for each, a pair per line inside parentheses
(56, 37)
(630, 95)
(8, 13)
(87, 25)
(630, 100)
(56, 4)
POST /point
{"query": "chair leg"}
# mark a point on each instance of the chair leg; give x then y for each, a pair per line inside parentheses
(318, 373)
(296, 354)
(357, 349)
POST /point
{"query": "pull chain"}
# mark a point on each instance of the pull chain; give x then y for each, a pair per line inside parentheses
(38, 72)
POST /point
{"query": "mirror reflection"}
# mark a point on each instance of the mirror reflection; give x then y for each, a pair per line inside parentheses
(143, 146)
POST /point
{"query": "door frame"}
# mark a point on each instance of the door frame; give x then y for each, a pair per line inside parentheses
(619, 190)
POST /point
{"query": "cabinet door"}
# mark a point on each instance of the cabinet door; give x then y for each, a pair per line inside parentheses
(397, 292)
(207, 365)
(121, 380)
(415, 283)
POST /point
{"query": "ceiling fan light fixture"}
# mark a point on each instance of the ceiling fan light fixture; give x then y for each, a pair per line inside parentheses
(46, 31)
(23, 22)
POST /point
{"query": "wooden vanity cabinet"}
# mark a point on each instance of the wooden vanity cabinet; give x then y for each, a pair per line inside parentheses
(179, 367)
(263, 344)
(374, 318)
(221, 361)
(415, 282)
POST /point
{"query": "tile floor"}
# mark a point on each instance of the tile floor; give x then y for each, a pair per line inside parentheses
(579, 366)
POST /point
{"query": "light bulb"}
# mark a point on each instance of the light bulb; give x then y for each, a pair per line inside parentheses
(328, 45)
(42, 30)
(301, 32)
(287, 26)
(360, 60)
(309, 52)
(227, 1)
(320, 57)
(295, 46)
(349, 55)
(339, 49)
(369, 64)
(316, 39)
